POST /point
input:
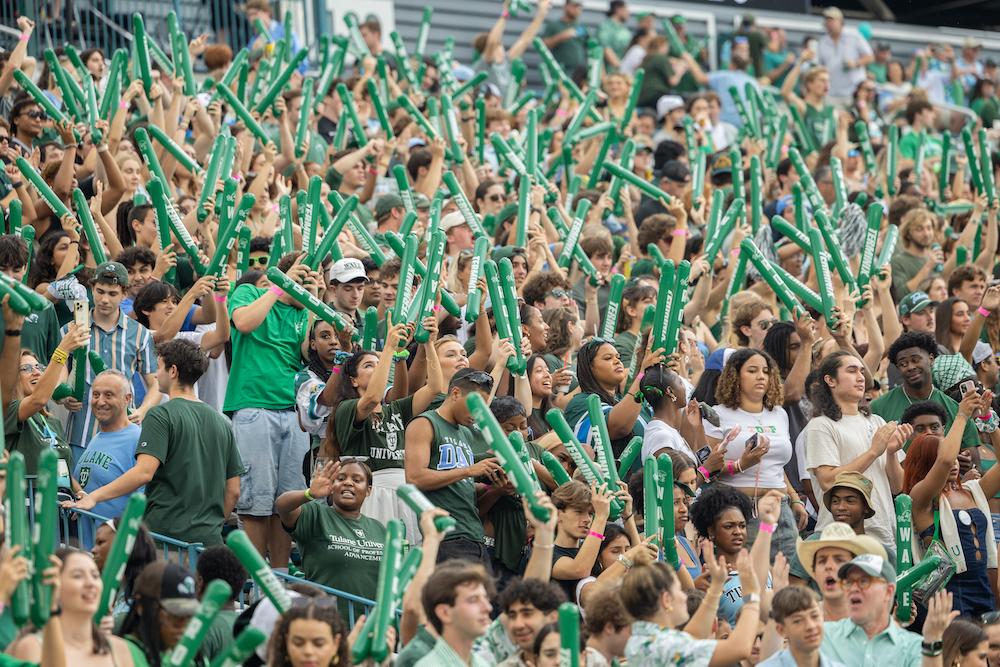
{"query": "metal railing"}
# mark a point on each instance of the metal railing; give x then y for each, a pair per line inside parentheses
(186, 554)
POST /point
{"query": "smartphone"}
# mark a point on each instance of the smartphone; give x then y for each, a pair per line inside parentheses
(81, 313)
(966, 387)
(703, 454)
(752, 442)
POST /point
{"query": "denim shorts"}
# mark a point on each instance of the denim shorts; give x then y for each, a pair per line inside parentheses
(272, 447)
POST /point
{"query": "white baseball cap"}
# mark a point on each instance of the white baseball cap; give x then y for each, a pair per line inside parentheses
(452, 220)
(347, 270)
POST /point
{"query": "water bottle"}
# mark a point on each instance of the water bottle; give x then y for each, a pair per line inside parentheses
(939, 267)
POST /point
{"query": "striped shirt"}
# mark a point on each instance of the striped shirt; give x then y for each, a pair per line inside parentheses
(128, 347)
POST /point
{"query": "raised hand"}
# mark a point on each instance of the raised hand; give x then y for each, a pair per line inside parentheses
(321, 485)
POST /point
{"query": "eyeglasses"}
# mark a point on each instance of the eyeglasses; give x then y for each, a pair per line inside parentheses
(4, 138)
(559, 294)
(767, 324)
(28, 368)
(864, 583)
(259, 261)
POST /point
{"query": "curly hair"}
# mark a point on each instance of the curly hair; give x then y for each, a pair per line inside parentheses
(344, 391)
(713, 501)
(219, 562)
(917, 339)
(323, 609)
(539, 285)
(545, 596)
(742, 316)
(819, 391)
(727, 391)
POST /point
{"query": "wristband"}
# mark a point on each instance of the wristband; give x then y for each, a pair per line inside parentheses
(308, 495)
(23, 37)
(402, 354)
(17, 185)
(561, 112)
(276, 291)
(12, 332)
(797, 501)
(505, 14)
(982, 311)
(596, 534)
(767, 528)
(59, 356)
(932, 649)
(123, 105)
(220, 298)
(734, 252)
(704, 472)
(730, 468)
(680, 232)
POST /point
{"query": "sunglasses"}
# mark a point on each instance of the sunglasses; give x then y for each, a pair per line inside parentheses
(259, 261)
(495, 197)
(559, 294)
(37, 115)
(990, 617)
(767, 324)
(28, 368)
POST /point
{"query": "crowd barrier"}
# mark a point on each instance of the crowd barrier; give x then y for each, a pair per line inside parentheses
(186, 554)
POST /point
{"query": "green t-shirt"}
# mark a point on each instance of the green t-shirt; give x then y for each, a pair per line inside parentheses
(891, 406)
(451, 448)
(33, 436)
(987, 109)
(378, 440)
(220, 634)
(880, 72)
(573, 52)
(8, 631)
(904, 267)
(197, 453)
(656, 82)
(614, 35)
(340, 552)
(773, 60)
(908, 145)
(40, 333)
(819, 121)
(421, 644)
(265, 360)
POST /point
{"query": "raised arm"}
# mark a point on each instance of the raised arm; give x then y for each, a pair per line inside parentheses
(27, 26)
(581, 565)
(74, 339)
(524, 41)
(924, 491)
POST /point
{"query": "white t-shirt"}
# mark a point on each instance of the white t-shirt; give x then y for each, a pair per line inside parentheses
(834, 443)
(661, 435)
(771, 423)
(210, 387)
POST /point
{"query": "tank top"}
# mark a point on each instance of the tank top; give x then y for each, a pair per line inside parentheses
(451, 448)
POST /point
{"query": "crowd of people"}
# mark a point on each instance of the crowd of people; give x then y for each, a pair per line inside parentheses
(269, 298)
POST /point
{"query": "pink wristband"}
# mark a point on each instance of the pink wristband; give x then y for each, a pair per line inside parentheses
(731, 467)
(680, 232)
(23, 37)
(123, 105)
(767, 528)
(220, 298)
(734, 252)
(982, 311)
(596, 534)
(704, 472)
(276, 291)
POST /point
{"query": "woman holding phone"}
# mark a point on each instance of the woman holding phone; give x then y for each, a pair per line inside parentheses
(749, 397)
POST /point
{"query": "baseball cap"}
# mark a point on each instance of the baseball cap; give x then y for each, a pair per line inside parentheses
(676, 172)
(678, 19)
(718, 359)
(872, 565)
(981, 352)
(971, 43)
(452, 220)
(347, 270)
(914, 302)
(169, 584)
(386, 203)
(833, 13)
(668, 103)
(836, 535)
(722, 164)
(420, 200)
(112, 273)
(856, 481)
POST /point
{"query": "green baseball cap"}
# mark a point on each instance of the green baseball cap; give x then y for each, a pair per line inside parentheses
(386, 203)
(870, 564)
(914, 302)
(111, 273)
